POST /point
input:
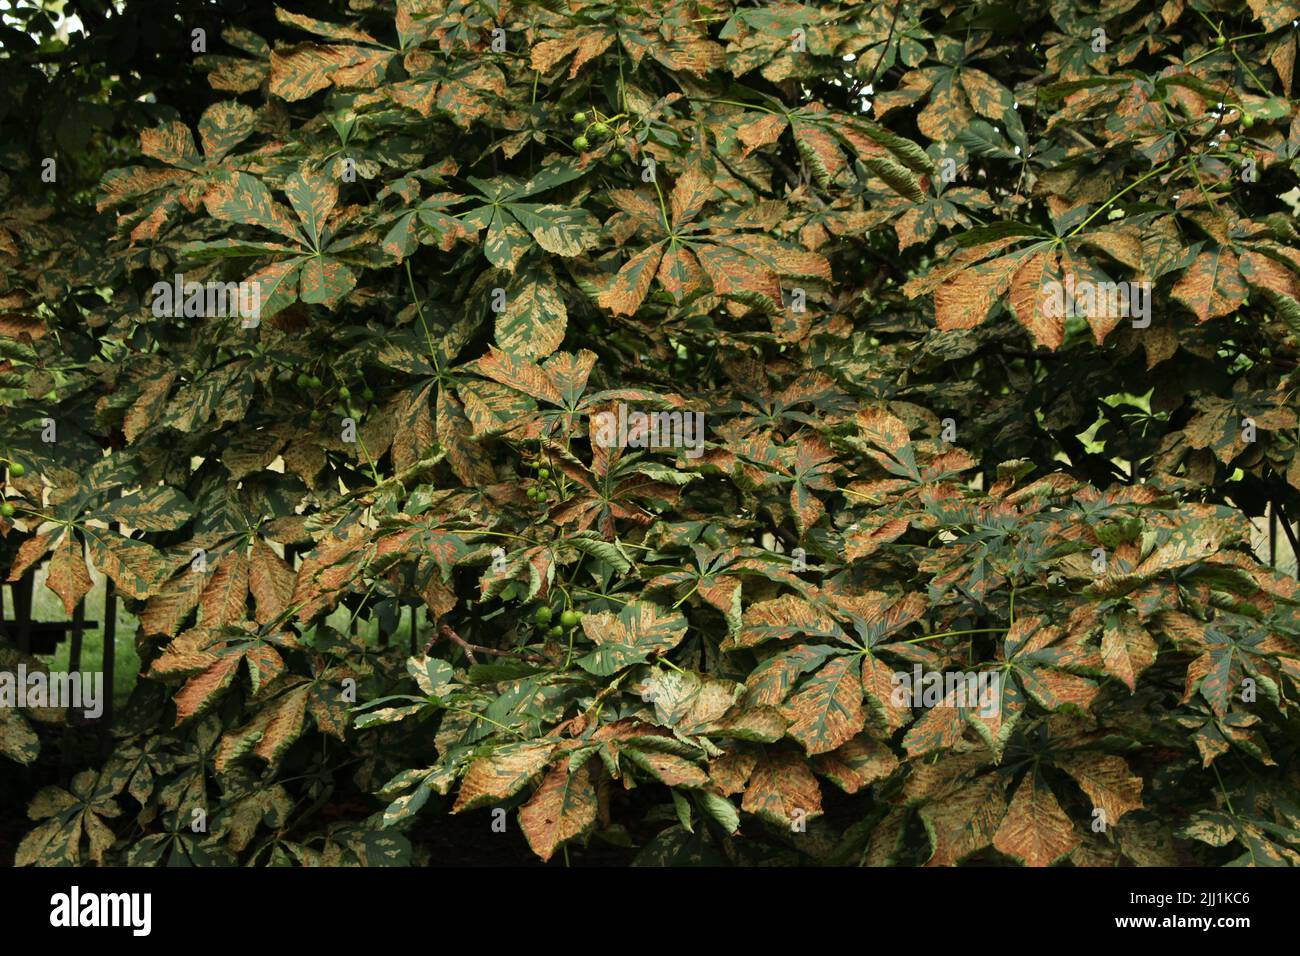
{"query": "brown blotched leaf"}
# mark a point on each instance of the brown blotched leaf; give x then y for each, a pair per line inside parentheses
(562, 809)
(502, 774)
(1035, 830)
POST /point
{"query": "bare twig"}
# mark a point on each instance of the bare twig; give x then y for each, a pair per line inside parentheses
(470, 649)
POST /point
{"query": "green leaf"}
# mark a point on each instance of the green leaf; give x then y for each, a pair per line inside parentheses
(639, 630)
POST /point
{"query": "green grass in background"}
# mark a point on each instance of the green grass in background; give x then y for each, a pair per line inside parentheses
(46, 606)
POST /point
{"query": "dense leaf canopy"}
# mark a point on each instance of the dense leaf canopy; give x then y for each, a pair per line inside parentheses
(840, 239)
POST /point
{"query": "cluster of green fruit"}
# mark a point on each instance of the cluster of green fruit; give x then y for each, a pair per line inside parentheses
(597, 128)
(569, 619)
(537, 492)
(16, 470)
(313, 382)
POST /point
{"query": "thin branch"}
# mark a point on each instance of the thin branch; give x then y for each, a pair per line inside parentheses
(885, 49)
(470, 649)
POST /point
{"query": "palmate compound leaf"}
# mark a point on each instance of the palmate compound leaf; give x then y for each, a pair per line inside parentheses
(760, 198)
(68, 576)
(502, 773)
(514, 226)
(990, 706)
(222, 127)
(1107, 780)
(1042, 282)
(1127, 648)
(308, 263)
(666, 768)
(136, 567)
(891, 445)
(688, 702)
(966, 821)
(782, 790)
(783, 618)
(1035, 830)
(827, 710)
(1223, 660)
(770, 682)
(69, 816)
(533, 321)
(640, 629)
(1042, 658)
(18, 740)
(269, 734)
(1212, 286)
(745, 268)
(857, 764)
(562, 809)
(1037, 665)
(306, 68)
